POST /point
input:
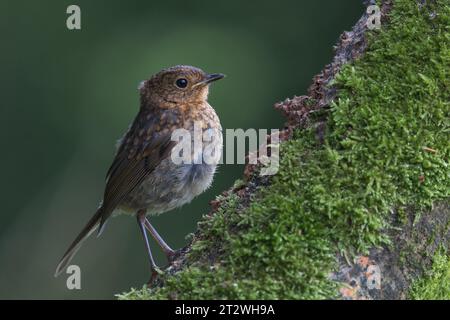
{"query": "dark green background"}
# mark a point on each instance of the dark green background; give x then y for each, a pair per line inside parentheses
(66, 96)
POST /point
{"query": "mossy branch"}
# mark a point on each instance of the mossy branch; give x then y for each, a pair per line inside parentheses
(360, 205)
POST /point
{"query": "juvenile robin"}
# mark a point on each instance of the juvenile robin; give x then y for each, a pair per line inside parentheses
(145, 178)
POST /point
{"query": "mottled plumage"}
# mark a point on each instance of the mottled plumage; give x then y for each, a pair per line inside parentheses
(143, 179)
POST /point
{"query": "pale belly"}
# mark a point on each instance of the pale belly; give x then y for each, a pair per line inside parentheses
(168, 187)
(171, 185)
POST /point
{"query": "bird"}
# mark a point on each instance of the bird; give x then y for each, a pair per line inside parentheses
(146, 177)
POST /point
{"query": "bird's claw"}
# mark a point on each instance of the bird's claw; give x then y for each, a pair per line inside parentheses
(173, 255)
(154, 277)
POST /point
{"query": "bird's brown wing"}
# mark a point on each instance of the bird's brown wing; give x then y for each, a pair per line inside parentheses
(144, 146)
(136, 158)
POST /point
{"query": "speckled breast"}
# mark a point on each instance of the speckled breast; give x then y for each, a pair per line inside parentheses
(173, 184)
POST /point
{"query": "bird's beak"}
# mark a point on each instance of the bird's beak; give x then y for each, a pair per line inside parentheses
(210, 78)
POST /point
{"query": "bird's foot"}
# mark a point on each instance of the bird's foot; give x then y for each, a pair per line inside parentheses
(154, 277)
(173, 255)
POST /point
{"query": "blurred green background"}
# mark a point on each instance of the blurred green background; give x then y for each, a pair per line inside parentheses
(67, 96)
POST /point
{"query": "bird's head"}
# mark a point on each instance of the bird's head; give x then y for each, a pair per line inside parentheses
(177, 85)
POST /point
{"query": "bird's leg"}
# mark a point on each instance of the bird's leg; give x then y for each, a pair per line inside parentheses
(141, 222)
(168, 251)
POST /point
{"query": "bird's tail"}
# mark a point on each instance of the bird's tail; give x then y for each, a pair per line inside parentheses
(90, 227)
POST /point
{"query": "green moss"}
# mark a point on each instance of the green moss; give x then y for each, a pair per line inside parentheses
(387, 145)
(435, 285)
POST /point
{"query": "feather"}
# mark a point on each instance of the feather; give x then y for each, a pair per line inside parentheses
(130, 167)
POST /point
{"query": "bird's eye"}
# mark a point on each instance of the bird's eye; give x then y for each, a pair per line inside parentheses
(181, 83)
